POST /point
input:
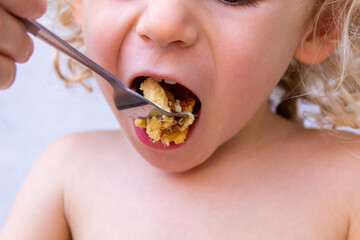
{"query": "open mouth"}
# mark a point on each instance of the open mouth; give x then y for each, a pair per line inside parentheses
(179, 91)
(172, 97)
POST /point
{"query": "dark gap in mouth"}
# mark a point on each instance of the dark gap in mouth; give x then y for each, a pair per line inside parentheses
(135, 85)
(179, 91)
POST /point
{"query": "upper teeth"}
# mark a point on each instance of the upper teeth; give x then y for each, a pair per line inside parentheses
(159, 80)
(170, 82)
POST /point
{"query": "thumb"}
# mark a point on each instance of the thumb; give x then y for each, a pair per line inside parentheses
(25, 8)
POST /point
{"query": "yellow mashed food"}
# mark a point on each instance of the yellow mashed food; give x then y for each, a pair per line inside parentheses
(165, 128)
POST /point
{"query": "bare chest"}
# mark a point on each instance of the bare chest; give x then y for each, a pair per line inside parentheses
(231, 210)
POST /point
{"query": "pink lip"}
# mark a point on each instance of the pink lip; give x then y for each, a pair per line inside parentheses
(141, 133)
(150, 74)
(145, 139)
(155, 75)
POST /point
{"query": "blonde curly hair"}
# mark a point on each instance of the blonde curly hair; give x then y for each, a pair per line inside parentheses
(333, 85)
(76, 73)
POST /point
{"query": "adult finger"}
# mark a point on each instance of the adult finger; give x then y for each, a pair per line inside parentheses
(7, 72)
(25, 8)
(14, 42)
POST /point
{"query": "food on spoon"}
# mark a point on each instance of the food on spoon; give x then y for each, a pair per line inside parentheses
(153, 92)
(165, 128)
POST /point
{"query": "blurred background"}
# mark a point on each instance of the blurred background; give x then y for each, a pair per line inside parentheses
(36, 110)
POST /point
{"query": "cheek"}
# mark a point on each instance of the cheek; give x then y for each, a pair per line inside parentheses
(249, 65)
(96, 38)
(122, 119)
(266, 53)
(107, 91)
(104, 28)
(257, 57)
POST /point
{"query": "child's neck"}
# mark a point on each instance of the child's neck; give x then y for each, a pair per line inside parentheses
(263, 127)
(254, 141)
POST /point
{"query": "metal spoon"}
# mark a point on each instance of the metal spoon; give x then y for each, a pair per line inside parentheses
(126, 100)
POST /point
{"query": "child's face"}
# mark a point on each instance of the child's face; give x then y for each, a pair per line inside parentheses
(231, 57)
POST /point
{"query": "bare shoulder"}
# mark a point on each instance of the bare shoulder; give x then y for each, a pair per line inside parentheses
(346, 152)
(87, 142)
(47, 185)
(91, 148)
(341, 149)
(335, 151)
(336, 157)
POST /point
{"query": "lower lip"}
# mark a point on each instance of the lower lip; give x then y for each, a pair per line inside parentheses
(145, 139)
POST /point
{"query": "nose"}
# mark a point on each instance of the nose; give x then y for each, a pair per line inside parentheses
(167, 22)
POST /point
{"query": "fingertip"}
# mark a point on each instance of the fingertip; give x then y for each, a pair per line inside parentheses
(9, 76)
(12, 78)
(31, 49)
(42, 7)
(29, 52)
(33, 9)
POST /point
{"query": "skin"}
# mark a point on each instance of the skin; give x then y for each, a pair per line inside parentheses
(246, 174)
(193, 47)
(15, 45)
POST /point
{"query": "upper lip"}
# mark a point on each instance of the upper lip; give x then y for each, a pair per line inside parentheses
(159, 76)
(181, 78)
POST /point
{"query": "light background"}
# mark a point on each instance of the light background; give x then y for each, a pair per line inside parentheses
(36, 110)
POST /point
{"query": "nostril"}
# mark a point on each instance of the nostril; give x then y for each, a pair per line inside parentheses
(180, 43)
(144, 37)
(166, 28)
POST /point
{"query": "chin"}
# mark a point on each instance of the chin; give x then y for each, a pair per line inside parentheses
(177, 161)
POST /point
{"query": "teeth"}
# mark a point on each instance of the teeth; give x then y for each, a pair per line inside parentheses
(159, 80)
(170, 82)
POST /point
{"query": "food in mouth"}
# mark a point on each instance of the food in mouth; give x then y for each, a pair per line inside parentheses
(164, 128)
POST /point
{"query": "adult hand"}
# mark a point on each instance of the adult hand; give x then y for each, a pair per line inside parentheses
(15, 44)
